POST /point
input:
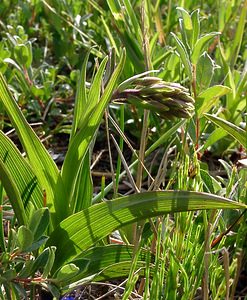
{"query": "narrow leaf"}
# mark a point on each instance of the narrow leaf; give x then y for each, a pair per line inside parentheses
(81, 96)
(236, 132)
(13, 194)
(183, 55)
(196, 26)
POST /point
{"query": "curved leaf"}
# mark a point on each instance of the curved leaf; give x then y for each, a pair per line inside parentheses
(21, 172)
(82, 230)
(238, 133)
(13, 194)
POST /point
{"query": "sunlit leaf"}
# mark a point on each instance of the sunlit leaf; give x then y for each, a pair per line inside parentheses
(236, 132)
(82, 230)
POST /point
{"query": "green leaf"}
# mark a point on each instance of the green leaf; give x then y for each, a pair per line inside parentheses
(66, 273)
(82, 197)
(79, 145)
(216, 135)
(187, 25)
(39, 222)
(183, 55)
(49, 264)
(110, 261)
(196, 27)
(200, 46)
(23, 54)
(236, 132)
(24, 238)
(40, 261)
(21, 172)
(42, 163)
(211, 184)
(132, 17)
(82, 230)
(208, 98)
(81, 97)
(38, 243)
(128, 32)
(95, 89)
(238, 36)
(204, 72)
(13, 194)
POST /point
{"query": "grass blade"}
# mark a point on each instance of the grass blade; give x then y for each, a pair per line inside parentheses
(238, 133)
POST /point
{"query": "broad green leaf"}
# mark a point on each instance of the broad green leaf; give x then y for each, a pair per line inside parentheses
(26, 270)
(24, 238)
(208, 98)
(42, 163)
(13, 193)
(37, 243)
(236, 132)
(82, 230)
(21, 172)
(204, 72)
(183, 55)
(39, 222)
(80, 143)
(200, 45)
